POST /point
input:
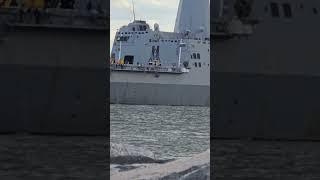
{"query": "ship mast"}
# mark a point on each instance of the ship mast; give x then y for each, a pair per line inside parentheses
(134, 15)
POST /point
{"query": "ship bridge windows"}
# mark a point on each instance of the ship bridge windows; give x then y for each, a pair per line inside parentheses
(274, 10)
(142, 27)
(287, 10)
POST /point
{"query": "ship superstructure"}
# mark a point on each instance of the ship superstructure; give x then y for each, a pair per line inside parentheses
(149, 66)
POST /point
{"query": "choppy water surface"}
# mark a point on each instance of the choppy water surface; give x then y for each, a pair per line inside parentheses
(169, 131)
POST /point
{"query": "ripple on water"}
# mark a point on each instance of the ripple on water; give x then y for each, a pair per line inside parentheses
(169, 131)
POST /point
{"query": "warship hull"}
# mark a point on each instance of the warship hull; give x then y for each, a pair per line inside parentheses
(148, 88)
(266, 84)
(47, 85)
(266, 106)
(159, 94)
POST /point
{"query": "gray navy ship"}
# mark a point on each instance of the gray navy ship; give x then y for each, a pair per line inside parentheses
(150, 66)
(53, 67)
(266, 69)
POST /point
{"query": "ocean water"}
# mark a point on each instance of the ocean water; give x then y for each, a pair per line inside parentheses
(168, 131)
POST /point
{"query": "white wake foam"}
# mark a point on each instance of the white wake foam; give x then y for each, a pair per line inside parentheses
(196, 167)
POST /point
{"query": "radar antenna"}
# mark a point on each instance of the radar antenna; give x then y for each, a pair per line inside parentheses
(134, 15)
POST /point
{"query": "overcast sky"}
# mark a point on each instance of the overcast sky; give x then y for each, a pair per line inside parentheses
(163, 12)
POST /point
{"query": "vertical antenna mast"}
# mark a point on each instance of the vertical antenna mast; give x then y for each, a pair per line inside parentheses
(134, 15)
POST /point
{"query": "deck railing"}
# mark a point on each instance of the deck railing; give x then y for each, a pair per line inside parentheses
(148, 68)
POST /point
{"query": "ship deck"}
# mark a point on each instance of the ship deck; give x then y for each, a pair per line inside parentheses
(147, 68)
